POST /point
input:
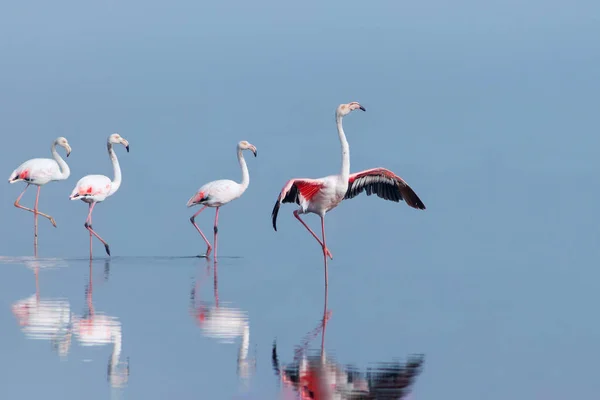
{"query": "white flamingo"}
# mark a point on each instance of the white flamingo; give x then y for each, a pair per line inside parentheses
(319, 196)
(220, 192)
(93, 189)
(39, 171)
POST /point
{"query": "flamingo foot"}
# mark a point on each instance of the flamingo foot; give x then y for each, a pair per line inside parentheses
(53, 221)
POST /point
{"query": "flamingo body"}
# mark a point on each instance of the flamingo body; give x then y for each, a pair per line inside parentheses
(92, 189)
(216, 193)
(37, 171)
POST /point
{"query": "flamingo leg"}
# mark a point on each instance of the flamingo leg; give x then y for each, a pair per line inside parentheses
(324, 253)
(193, 221)
(325, 249)
(88, 226)
(216, 229)
(34, 211)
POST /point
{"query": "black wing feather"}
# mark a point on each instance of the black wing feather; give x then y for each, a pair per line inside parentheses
(386, 188)
(290, 197)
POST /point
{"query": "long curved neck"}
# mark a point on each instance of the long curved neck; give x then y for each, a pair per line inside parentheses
(116, 168)
(245, 174)
(345, 172)
(65, 171)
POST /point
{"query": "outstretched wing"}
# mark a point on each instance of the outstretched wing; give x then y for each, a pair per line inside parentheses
(298, 191)
(385, 184)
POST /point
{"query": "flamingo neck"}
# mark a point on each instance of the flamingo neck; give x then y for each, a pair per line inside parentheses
(116, 183)
(345, 172)
(65, 171)
(245, 174)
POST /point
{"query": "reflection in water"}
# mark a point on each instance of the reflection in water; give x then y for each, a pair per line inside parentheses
(97, 329)
(225, 324)
(44, 319)
(320, 377)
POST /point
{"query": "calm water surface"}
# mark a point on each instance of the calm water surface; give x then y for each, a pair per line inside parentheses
(156, 327)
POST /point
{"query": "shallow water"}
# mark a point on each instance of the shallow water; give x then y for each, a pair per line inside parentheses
(152, 327)
(131, 327)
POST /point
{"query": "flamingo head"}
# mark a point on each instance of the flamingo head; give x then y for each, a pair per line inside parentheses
(115, 138)
(345, 109)
(61, 141)
(243, 145)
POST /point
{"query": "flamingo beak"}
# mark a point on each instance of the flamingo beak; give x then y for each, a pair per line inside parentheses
(362, 108)
(126, 144)
(253, 148)
(68, 150)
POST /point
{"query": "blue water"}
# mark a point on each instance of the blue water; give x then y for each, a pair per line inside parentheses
(489, 110)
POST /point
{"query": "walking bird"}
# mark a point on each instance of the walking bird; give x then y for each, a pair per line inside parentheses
(319, 196)
(39, 171)
(220, 192)
(93, 189)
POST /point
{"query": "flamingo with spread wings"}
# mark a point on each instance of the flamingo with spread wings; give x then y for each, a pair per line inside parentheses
(94, 189)
(319, 196)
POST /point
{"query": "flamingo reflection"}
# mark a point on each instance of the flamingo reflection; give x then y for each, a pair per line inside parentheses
(225, 324)
(98, 329)
(321, 378)
(44, 318)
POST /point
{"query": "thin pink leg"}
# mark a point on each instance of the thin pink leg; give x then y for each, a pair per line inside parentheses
(35, 218)
(192, 220)
(216, 229)
(88, 226)
(325, 249)
(35, 213)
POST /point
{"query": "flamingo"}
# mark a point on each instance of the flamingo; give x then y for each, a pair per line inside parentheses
(220, 192)
(319, 196)
(39, 171)
(93, 189)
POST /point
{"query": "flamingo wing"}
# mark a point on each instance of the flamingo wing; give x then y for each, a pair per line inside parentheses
(385, 184)
(299, 191)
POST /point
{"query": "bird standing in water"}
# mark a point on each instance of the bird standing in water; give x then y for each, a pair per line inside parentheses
(319, 196)
(218, 193)
(94, 189)
(39, 171)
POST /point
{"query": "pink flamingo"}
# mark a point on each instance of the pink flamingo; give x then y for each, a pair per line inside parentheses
(319, 196)
(39, 171)
(220, 192)
(93, 189)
